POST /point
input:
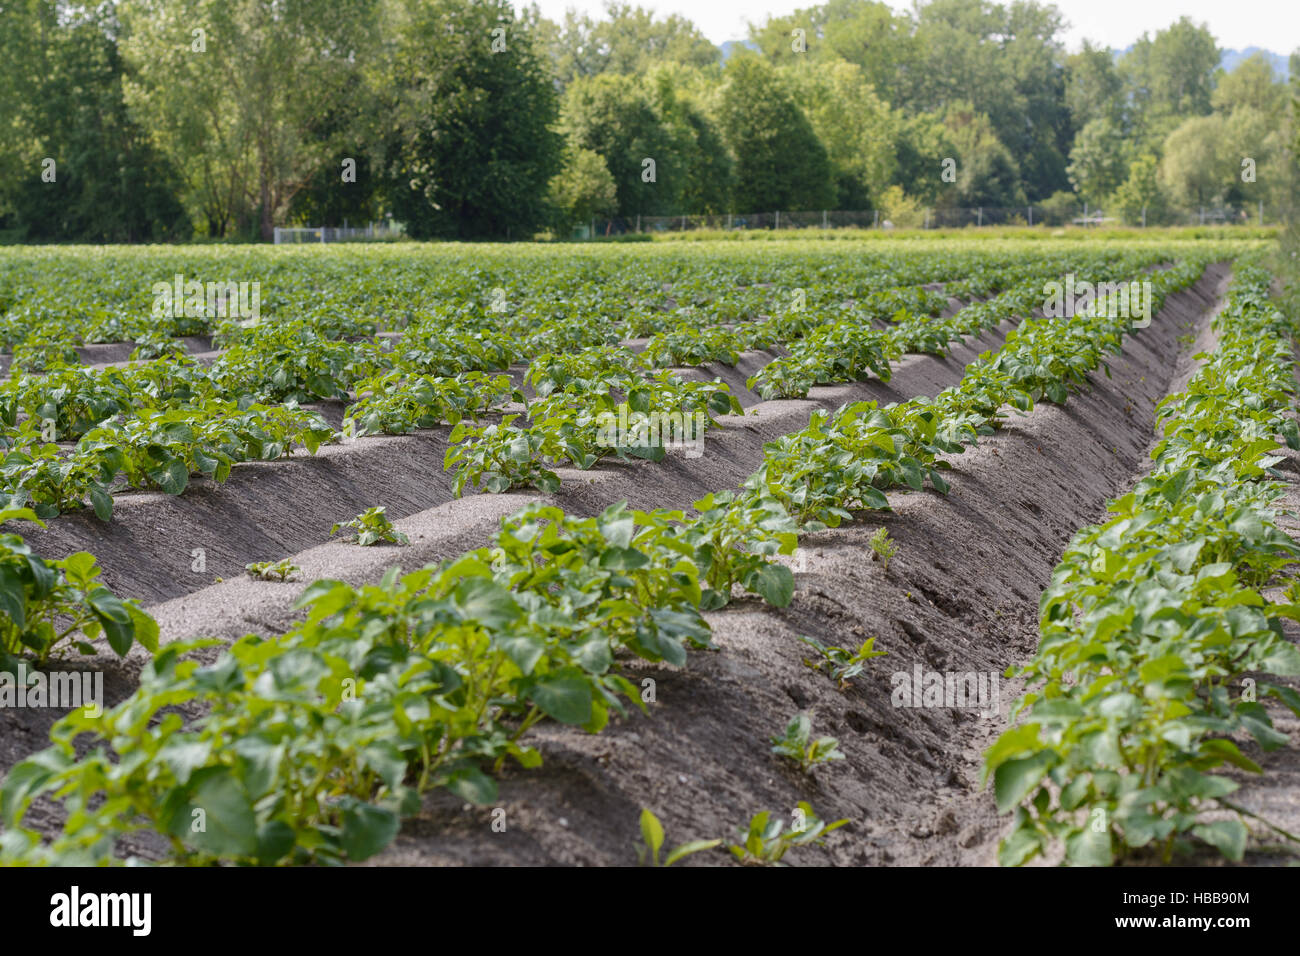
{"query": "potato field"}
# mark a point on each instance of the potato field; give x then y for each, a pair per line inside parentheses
(886, 552)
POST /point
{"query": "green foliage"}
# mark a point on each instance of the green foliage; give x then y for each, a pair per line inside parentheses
(397, 402)
(780, 162)
(63, 89)
(798, 745)
(615, 118)
(370, 528)
(883, 548)
(1155, 617)
(841, 664)
(449, 182)
(652, 836)
(766, 840)
(309, 746)
(582, 190)
(281, 570)
(49, 604)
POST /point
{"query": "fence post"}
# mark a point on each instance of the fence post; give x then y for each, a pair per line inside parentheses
(823, 218)
(728, 221)
(1202, 215)
(638, 222)
(1261, 212)
(875, 223)
(778, 220)
(277, 235)
(1031, 214)
(980, 213)
(322, 235)
(1144, 217)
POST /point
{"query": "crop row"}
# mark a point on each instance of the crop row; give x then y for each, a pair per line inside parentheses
(155, 423)
(1155, 619)
(52, 300)
(1041, 357)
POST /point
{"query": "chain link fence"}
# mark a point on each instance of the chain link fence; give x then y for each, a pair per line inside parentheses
(372, 231)
(941, 218)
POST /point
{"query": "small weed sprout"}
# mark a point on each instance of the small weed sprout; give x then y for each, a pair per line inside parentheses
(371, 527)
(652, 833)
(766, 839)
(884, 547)
(797, 744)
(839, 662)
(271, 570)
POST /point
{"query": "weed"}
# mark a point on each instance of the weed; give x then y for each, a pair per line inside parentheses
(652, 835)
(371, 527)
(884, 548)
(797, 744)
(841, 664)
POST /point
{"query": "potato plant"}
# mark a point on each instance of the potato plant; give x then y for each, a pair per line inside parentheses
(1156, 616)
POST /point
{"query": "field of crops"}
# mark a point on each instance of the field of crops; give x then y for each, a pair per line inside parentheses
(796, 551)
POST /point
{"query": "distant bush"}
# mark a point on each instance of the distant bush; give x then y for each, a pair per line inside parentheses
(1057, 210)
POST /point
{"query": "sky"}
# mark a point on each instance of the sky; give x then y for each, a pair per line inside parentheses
(1236, 24)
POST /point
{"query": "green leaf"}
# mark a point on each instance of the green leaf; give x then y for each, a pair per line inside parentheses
(774, 583)
(485, 601)
(686, 849)
(13, 597)
(102, 502)
(653, 833)
(367, 829)
(227, 826)
(171, 477)
(1228, 836)
(472, 785)
(115, 619)
(874, 499)
(565, 696)
(1013, 779)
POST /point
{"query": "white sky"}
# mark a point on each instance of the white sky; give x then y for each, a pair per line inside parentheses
(1236, 24)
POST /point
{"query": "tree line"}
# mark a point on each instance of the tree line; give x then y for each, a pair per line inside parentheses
(153, 120)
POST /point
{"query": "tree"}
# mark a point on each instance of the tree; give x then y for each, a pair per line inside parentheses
(472, 147)
(922, 145)
(582, 190)
(1252, 85)
(62, 100)
(1198, 167)
(986, 172)
(1140, 197)
(629, 40)
(614, 116)
(1099, 160)
(1006, 62)
(232, 91)
(1172, 75)
(865, 33)
(1093, 87)
(708, 171)
(780, 163)
(861, 152)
